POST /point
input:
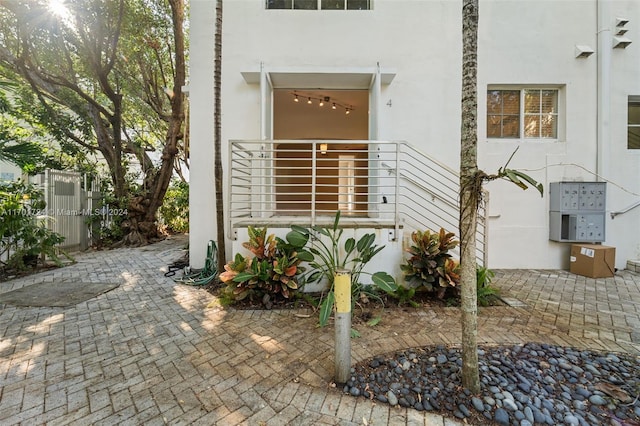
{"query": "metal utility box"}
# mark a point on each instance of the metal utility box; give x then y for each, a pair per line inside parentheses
(577, 211)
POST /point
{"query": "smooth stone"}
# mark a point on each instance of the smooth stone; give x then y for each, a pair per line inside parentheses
(490, 400)
(510, 405)
(528, 413)
(477, 404)
(502, 417)
(597, 400)
(392, 398)
(571, 420)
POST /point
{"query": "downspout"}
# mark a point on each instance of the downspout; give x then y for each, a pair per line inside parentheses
(603, 121)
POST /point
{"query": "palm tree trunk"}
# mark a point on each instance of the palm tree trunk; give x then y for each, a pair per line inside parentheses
(217, 140)
(470, 190)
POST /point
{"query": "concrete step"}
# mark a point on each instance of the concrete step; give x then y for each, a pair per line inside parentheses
(633, 265)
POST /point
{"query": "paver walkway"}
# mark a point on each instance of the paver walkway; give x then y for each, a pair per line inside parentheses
(154, 352)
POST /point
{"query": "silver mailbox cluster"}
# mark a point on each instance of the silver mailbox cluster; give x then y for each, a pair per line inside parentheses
(577, 211)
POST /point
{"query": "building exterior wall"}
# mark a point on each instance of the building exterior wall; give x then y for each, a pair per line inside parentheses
(9, 172)
(521, 42)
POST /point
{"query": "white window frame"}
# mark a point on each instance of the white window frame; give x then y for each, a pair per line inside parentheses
(560, 113)
(319, 5)
(635, 100)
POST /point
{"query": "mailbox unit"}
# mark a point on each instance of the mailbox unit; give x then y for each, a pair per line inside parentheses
(577, 211)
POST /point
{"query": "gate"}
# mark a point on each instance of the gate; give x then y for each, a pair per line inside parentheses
(71, 200)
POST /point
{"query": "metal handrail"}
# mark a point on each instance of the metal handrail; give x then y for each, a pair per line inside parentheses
(625, 210)
(384, 182)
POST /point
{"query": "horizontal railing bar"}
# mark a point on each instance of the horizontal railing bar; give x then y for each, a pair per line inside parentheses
(415, 188)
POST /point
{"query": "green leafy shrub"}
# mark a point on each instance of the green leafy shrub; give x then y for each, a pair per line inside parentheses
(430, 267)
(175, 207)
(484, 277)
(328, 257)
(23, 238)
(274, 269)
(107, 229)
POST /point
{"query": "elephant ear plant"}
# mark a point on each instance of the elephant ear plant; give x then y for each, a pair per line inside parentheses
(330, 254)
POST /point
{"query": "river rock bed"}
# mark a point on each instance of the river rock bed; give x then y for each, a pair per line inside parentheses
(531, 384)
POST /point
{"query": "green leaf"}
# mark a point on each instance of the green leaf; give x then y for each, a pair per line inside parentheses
(349, 245)
(514, 178)
(300, 229)
(297, 239)
(374, 321)
(336, 221)
(530, 180)
(305, 256)
(366, 241)
(384, 281)
(315, 277)
(326, 308)
(355, 333)
(243, 276)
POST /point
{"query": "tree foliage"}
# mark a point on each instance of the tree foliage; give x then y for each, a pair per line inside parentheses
(106, 76)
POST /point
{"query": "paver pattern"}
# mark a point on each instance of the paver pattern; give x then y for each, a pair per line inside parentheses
(155, 352)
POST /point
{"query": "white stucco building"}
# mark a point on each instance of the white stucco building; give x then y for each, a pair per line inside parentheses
(559, 80)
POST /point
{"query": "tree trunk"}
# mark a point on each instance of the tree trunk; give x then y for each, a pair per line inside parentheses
(470, 190)
(141, 226)
(217, 141)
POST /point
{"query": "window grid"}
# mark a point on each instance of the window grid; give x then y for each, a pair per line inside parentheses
(319, 4)
(532, 113)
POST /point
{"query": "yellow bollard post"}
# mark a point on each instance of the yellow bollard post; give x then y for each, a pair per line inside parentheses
(342, 291)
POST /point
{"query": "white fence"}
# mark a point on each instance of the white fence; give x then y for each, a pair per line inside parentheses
(71, 200)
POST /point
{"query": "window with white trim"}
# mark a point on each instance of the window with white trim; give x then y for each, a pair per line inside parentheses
(319, 4)
(526, 113)
(633, 129)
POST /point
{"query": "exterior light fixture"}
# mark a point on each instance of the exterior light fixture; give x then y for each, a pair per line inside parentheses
(296, 99)
(333, 106)
(323, 148)
(309, 101)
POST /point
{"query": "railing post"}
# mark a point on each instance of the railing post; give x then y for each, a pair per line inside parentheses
(314, 165)
(342, 289)
(485, 231)
(397, 194)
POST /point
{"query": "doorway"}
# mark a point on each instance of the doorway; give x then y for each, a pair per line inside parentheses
(319, 165)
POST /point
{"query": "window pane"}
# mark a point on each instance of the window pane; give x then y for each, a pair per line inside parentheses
(511, 102)
(511, 126)
(549, 126)
(279, 4)
(532, 101)
(531, 126)
(358, 5)
(494, 101)
(493, 126)
(634, 113)
(633, 138)
(549, 101)
(305, 4)
(333, 4)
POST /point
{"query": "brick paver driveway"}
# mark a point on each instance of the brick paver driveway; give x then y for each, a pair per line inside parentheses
(154, 352)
